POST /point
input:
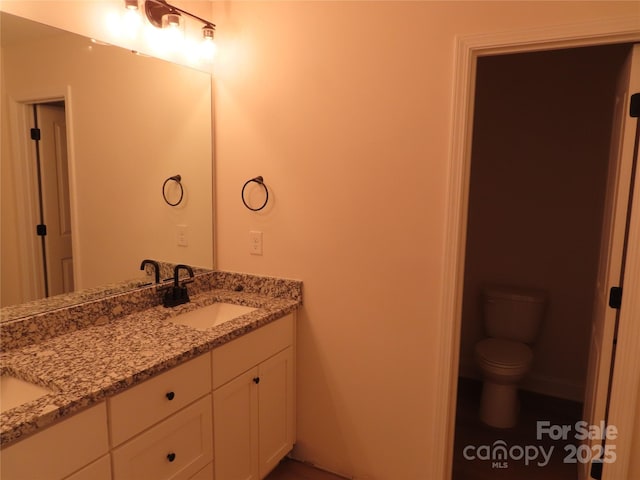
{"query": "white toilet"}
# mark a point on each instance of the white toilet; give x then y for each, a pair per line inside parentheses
(512, 318)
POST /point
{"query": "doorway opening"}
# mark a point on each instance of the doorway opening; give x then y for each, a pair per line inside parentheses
(36, 219)
(624, 391)
(539, 160)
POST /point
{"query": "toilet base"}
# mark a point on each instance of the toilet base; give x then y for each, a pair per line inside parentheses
(499, 405)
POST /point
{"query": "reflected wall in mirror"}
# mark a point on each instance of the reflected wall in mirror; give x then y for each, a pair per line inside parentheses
(131, 123)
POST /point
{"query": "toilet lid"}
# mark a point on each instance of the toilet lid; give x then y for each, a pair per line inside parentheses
(497, 351)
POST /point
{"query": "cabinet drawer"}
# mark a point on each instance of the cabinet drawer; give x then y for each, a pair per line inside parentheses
(146, 404)
(98, 470)
(175, 449)
(241, 354)
(60, 449)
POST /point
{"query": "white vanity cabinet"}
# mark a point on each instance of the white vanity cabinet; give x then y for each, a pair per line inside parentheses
(224, 415)
(62, 450)
(162, 428)
(254, 401)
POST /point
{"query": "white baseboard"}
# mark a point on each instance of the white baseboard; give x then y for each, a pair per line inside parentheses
(554, 387)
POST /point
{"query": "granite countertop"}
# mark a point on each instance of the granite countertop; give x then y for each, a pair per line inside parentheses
(85, 364)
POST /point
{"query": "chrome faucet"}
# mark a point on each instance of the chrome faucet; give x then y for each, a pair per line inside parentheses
(177, 295)
(155, 266)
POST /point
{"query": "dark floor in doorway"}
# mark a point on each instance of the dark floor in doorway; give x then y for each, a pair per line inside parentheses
(470, 431)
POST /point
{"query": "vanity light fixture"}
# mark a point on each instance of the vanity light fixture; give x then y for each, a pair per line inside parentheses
(162, 14)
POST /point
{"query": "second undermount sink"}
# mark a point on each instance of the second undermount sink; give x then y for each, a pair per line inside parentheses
(212, 315)
(15, 392)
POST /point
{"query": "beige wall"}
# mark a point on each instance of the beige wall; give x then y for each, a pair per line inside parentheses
(539, 165)
(344, 108)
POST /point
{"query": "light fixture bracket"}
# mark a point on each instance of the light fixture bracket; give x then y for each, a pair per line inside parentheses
(155, 10)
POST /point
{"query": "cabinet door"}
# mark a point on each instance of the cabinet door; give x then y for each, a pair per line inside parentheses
(275, 409)
(235, 428)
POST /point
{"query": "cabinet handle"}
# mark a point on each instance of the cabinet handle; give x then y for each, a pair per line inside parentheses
(171, 457)
(170, 395)
(256, 380)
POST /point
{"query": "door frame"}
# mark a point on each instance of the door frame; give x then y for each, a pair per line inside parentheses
(627, 374)
(20, 121)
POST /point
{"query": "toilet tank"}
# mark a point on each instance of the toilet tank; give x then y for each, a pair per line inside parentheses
(513, 313)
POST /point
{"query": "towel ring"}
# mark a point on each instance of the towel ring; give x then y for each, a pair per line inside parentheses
(260, 181)
(177, 179)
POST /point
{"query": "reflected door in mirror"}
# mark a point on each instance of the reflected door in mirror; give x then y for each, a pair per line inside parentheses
(54, 199)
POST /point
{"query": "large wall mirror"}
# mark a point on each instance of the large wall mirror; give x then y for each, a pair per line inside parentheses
(117, 126)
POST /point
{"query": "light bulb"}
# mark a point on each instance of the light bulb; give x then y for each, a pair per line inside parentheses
(208, 45)
(171, 21)
(131, 22)
(125, 23)
(172, 33)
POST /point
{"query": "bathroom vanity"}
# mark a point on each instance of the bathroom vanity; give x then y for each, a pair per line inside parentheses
(145, 394)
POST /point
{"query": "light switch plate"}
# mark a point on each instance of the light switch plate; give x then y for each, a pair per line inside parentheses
(255, 242)
(182, 237)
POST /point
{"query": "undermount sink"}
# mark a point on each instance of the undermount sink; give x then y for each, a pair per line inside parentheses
(15, 392)
(212, 315)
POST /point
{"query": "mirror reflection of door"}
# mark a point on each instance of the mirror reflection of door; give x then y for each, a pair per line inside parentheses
(55, 210)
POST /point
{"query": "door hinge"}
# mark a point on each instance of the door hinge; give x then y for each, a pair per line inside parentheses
(615, 297)
(35, 134)
(634, 105)
(41, 230)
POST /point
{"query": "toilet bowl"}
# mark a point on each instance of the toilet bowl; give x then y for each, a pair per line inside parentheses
(503, 363)
(512, 318)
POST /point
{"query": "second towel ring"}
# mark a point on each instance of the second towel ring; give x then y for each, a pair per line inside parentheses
(177, 179)
(260, 181)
